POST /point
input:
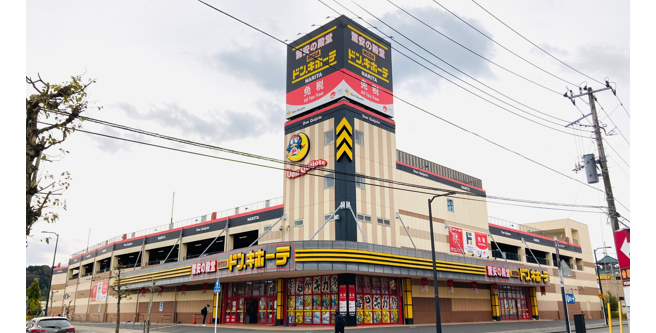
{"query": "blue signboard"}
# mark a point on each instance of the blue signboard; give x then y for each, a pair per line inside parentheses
(570, 298)
(217, 286)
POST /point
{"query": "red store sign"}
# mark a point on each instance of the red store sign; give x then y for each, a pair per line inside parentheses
(497, 271)
(305, 169)
(203, 267)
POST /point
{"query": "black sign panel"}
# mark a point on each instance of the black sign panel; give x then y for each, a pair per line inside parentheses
(128, 244)
(258, 217)
(431, 176)
(60, 270)
(163, 237)
(88, 256)
(104, 250)
(339, 59)
(74, 260)
(201, 229)
(327, 113)
(531, 239)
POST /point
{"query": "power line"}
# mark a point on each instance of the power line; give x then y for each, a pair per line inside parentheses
(541, 49)
(459, 86)
(312, 174)
(505, 48)
(618, 154)
(421, 109)
(442, 60)
(612, 122)
(299, 164)
(468, 49)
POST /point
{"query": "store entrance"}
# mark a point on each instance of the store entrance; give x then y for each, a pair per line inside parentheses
(514, 303)
(251, 311)
(252, 302)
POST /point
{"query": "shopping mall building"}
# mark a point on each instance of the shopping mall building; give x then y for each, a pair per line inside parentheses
(350, 233)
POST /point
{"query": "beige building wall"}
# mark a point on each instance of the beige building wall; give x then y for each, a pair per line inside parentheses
(376, 158)
(305, 197)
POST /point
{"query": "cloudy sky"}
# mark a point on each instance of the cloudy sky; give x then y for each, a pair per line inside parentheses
(182, 69)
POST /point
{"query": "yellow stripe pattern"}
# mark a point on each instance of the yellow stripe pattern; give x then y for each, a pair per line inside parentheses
(165, 274)
(340, 255)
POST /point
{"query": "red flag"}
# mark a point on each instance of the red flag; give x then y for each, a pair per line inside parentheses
(160, 290)
(183, 289)
(543, 290)
(143, 292)
(449, 284)
(204, 288)
(475, 286)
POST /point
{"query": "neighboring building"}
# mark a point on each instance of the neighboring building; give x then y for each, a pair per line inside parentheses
(339, 240)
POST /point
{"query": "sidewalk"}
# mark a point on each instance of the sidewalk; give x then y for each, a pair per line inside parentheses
(542, 326)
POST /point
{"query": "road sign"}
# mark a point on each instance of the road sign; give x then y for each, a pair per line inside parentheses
(601, 296)
(217, 286)
(570, 298)
(623, 247)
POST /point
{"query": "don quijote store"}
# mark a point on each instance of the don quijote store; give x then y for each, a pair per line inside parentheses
(335, 241)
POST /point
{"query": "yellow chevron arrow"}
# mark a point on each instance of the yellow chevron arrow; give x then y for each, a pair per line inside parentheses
(344, 136)
(344, 149)
(344, 124)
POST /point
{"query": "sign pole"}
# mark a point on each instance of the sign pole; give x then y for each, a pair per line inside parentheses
(216, 306)
(562, 286)
(217, 290)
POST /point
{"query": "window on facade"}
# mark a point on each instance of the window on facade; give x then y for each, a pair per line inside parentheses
(312, 300)
(383, 222)
(376, 300)
(325, 217)
(329, 180)
(267, 228)
(359, 182)
(359, 138)
(298, 223)
(364, 218)
(449, 205)
(328, 137)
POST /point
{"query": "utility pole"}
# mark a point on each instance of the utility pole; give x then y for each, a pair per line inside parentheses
(612, 212)
(562, 286)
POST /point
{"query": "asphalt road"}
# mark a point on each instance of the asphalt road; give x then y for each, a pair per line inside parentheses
(541, 326)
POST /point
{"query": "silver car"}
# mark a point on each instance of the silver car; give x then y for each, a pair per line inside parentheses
(49, 325)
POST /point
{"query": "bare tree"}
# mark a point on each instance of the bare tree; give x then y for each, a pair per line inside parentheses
(120, 294)
(52, 114)
(152, 289)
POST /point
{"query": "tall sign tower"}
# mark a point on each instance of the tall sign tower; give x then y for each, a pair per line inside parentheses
(339, 117)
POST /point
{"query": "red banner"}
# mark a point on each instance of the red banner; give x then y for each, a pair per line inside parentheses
(351, 298)
(474, 286)
(543, 290)
(495, 286)
(204, 288)
(183, 289)
(455, 240)
(342, 299)
(160, 290)
(143, 292)
(94, 290)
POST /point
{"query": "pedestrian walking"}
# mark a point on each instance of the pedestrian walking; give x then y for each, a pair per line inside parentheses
(204, 313)
(339, 323)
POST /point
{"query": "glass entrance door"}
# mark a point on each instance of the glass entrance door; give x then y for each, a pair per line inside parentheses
(514, 303)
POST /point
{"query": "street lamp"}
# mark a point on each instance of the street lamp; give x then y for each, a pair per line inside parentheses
(438, 320)
(603, 305)
(52, 272)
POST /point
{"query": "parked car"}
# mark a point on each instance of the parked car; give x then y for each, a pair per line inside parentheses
(49, 325)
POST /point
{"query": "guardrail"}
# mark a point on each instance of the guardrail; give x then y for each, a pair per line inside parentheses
(183, 223)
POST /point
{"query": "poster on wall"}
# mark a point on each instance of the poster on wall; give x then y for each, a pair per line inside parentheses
(472, 243)
(99, 291)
